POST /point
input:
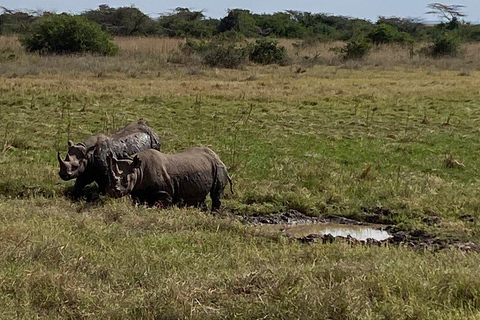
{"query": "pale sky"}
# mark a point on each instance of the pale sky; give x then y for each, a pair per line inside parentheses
(370, 9)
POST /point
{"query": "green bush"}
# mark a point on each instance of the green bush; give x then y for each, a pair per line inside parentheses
(225, 55)
(267, 51)
(355, 49)
(384, 33)
(191, 47)
(66, 34)
(443, 45)
(218, 52)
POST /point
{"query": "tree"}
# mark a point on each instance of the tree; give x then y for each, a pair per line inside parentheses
(123, 21)
(414, 27)
(239, 20)
(384, 33)
(451, 13)
(280, 24)
(448, 12)
(185, 23)
(17, 21)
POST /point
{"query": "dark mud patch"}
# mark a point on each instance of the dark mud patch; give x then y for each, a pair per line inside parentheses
(378, 215)
(294, 217)
(371, 232)
(90, 193)
(417, 239)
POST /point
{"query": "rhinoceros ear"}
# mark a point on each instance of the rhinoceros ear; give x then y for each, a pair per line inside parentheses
(70, 143)
(88, 153)
(136, 162)
(112, 164)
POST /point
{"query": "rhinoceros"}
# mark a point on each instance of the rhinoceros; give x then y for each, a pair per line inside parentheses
(86, 161)
(160, 179)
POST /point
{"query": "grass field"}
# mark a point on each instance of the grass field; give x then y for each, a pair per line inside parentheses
(338, 139)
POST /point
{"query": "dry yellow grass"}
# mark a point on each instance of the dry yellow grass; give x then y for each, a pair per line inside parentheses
(133, 47)
(141, 56)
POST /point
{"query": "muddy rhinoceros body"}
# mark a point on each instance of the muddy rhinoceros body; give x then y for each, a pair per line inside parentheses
(157, 178)
(86, 161)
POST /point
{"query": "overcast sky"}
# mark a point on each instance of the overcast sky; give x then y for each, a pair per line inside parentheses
(369, 9)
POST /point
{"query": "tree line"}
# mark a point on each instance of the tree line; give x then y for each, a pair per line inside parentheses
(183, 22)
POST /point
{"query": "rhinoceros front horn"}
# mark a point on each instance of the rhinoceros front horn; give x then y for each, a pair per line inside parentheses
(61, 162)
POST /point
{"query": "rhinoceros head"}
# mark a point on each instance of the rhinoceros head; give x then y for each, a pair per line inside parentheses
(123, 175)
(75, 161)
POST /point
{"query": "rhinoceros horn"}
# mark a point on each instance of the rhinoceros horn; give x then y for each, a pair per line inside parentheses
(63, 165)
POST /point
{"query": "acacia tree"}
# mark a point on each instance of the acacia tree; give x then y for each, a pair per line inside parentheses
(451, 13)
(448, 12)
(446, 41)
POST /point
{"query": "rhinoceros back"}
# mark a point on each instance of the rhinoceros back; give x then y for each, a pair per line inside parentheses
(132, 134)
(132, 139)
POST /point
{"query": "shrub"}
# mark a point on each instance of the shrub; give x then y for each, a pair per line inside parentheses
(443, 45)
(267, 51)
(65, 34)
(217, 53)
(191, 47)
(225, 55)
(384, 33)
(355, 49)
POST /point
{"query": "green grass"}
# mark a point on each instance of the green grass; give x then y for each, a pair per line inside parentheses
(291, 141)
(118, 261)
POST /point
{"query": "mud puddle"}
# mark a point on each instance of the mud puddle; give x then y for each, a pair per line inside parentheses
(371, 231)
(357, 232)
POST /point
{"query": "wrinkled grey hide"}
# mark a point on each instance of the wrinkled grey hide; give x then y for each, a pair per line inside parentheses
(163, 179)
(86, 161)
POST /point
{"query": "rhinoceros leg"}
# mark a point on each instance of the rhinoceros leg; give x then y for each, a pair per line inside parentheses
(80, 183)
(216, 193)
(202, 205)
(161, 199)
(103, 183)
(216, 204)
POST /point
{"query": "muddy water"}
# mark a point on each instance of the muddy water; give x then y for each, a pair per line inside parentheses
(359, 232)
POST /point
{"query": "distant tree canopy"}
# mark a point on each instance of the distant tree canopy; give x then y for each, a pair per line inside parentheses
(239, 20)
(15, 21)
(183, 22)
(122, 21)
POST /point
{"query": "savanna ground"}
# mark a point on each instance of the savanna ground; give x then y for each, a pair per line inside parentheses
(387, 132)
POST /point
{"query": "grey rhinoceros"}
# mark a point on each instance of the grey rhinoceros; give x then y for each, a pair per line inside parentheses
(86, 161)
(156, 178)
